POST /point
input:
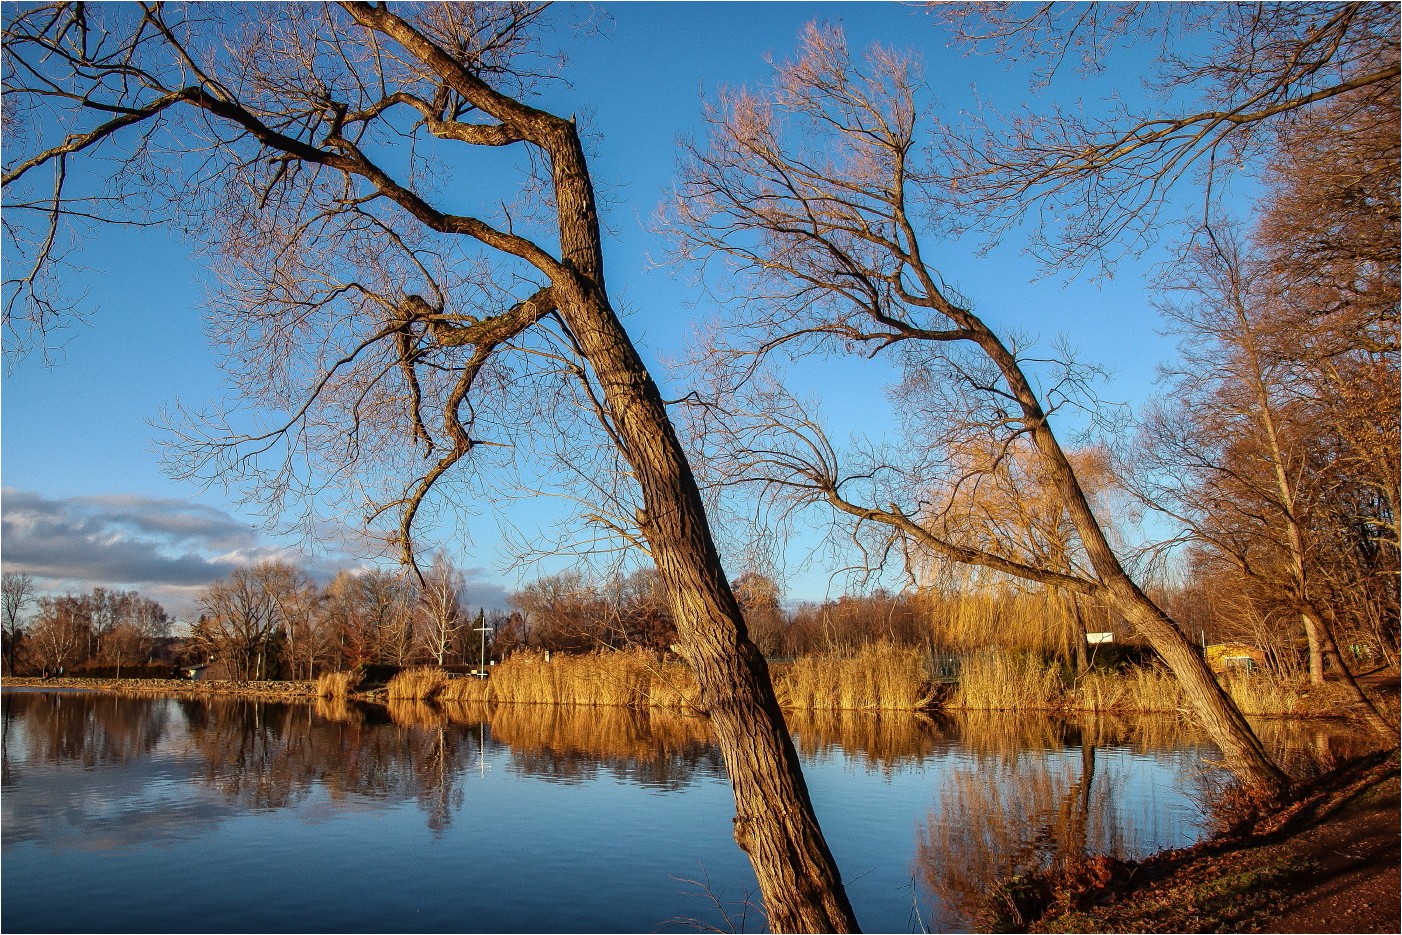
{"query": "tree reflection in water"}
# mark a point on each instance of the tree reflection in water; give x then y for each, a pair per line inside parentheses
(269, 755)
(81, 727)
(1014, 792)
(1020, 803)
(1028, 793)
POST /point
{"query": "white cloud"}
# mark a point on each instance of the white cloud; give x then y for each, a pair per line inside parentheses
(167, 549)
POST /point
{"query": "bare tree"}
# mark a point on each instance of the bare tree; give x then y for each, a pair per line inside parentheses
(241, 619)
(305, 636)
(1230, 456)
(379, 319)
(759, 596)
(1096, 178)
(1005, 504)
(17, 591)
(59, 635)
(565, 611)
(370, 612)
(805, 191)
(140, 621)
(125, 645)
(441, 616)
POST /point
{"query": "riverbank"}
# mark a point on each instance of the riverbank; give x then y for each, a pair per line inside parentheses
(1326, 862)
(271, 690)
(877, 678)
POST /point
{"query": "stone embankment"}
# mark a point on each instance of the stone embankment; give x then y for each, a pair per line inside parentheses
(287, 691)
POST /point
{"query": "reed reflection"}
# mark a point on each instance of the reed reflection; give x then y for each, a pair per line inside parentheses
(888, 741)
(1028, 799)
(658, 748)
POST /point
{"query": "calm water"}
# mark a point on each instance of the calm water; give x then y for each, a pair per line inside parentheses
(160, 815)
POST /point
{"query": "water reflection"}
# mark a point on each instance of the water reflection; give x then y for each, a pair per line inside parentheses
(536, 795)
(1002, 816)
(658, 749)
(80, 727)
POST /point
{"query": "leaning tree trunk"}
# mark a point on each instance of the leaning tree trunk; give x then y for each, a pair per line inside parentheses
(1382, 728)
(774, 821)
(1219, 715)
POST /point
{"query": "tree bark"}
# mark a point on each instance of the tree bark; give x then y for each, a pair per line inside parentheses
(774, 823)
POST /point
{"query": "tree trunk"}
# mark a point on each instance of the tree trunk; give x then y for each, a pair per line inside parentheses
(1226, 725)
(1314, 650)
(774, 822)
(1219, 715)
(1076, 628)
(1329, 649)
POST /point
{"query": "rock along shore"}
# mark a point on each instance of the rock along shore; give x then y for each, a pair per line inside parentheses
(284, 691)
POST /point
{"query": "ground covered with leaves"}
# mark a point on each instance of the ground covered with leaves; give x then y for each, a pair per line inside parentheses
(1325, 862)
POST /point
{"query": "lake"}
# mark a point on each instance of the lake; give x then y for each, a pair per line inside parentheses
(157, 814)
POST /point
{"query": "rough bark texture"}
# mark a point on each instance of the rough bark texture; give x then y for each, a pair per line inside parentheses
(774, 820)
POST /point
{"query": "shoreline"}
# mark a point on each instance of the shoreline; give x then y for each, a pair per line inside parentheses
(271, 690)
(288, 690)
(1325, 860)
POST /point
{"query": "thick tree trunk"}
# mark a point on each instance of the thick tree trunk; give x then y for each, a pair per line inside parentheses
(774, 821)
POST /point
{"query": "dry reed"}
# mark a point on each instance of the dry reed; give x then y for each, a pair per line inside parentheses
(623, 678)
(467, 690)
(879, 677)
(990, 680)
(1260, 693)
(465, 711)
(339, 710)
(1138, 688)
(338, 685)
(612, 733)
(421, 684)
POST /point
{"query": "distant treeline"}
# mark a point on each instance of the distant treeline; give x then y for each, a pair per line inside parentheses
(271, 621)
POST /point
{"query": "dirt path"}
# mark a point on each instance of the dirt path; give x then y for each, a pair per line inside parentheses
(1356, 885)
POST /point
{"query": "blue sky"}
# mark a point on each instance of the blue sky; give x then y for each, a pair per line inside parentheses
(87, 503)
